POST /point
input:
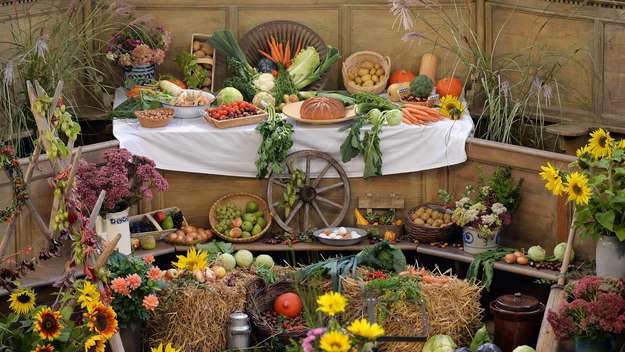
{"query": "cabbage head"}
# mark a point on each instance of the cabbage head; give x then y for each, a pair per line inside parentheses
(304, 64)
(524, 348)
(536, 253)
(229, 95)
(559, 250)
(393, 117)
(439, 343)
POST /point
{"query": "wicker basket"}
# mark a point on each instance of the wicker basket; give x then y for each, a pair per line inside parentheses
(256, 39)
(429, 103)
(147, 122)
(240, 200)
(358, 57)
(427, 233)
(261, 301)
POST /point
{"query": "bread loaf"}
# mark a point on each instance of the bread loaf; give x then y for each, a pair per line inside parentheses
(322, 108)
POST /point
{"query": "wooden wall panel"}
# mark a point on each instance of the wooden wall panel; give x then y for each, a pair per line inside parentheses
(566, 40)
(614, 75)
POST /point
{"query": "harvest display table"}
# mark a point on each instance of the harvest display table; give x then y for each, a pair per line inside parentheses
(194, 145)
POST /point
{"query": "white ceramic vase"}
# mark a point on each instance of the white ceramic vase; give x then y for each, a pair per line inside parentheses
(111, 224)
(473, 243)
(610, 257)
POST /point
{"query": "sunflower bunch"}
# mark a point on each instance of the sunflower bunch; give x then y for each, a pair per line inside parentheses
(360, 335)
(595, 183)
(43, 328)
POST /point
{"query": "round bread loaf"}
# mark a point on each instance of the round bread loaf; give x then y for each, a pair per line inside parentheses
(322, 108)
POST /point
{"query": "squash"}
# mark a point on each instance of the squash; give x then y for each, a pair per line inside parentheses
(401, 76)
(288, 305)
(390, 236)
(429, 64)
(360, 220)
(449, 86)
(398, 90)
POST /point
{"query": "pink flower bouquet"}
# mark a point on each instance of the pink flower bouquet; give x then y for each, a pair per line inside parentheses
(139, 44)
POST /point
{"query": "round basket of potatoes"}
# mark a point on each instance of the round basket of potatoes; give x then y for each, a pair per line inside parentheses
(429, 223)
(427, 216)
(366, 71)
(189, 235)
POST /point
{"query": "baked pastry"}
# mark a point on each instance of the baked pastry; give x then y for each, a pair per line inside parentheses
(322, 108)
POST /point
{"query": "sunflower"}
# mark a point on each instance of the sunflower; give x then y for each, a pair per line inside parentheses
(334, 341)
(621, 144)
(363, 328)
(89, 295)
(22, 301)
(44, 348)
(451, 107)
(578, 189)
(583, 151)
(166, 348)
(48, 323)
(102, 320)
(331, 303)
(554, 180)
(600, 143)
(95, 343)
(192, 261)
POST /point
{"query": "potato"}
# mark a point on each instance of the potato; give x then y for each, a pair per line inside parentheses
(207, 81)
(199, 54)
(351, 75)
(196, 45)
(376, 66)
(367, 64)
(366, 77)
(368, 83)
(363, 72)
(379, 72)
(429, 221)
(428, 210)
(437, 223)
(358, 80)
(419, 222)
(420, 211)
(207, 48)
(372, 71)
(375, 78)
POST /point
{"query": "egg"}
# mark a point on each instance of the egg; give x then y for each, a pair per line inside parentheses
(342, 230)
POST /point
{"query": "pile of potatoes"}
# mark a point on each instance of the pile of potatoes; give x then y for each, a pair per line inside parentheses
(431, 217)
(190, 235)
(366, 74)
(204, 51)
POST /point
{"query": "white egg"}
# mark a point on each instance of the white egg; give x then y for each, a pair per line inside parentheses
(342, 230)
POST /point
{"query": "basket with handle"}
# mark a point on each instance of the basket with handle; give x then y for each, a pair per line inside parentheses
(240, 200)
(361, 56)
(426, 233)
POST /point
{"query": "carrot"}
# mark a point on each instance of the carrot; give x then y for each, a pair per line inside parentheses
(412, 118)
(299, 46)
(287, 53)
(265, 54)
(406, 121)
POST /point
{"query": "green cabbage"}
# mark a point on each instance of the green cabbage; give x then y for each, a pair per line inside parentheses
(559, 250)
(524, 348)
(229, 95)
(393, 117)
(439, 343)
(304, 64)
(373, 116)
(536, 253)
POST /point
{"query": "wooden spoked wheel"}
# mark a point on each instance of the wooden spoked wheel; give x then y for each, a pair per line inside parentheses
(319, 201)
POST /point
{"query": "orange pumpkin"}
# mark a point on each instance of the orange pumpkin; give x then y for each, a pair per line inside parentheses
(449, 86)
(401, 76)
(288, 305)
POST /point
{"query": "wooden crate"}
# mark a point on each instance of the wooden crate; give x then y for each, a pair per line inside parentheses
(159, 233)
(208, 62)
(371, 202)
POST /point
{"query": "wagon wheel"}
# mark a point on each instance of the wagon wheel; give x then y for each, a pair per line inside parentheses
(316, 197)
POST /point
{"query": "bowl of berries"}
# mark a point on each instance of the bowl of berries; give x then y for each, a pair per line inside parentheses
(239, 113)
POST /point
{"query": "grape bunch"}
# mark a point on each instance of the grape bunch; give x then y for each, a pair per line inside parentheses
(177, 218)
(142, 226)
(225, 214)
(60, 220)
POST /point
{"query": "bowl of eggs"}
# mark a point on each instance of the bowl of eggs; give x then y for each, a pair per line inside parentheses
(340, 236)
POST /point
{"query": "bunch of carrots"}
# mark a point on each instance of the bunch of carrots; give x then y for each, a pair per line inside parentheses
(425, 276)
(279, 53)
(415, 114)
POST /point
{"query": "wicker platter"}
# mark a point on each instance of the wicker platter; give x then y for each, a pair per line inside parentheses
(236, 122)
(240, 200)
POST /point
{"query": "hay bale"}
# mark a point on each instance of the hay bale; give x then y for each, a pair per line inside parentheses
(453, 308)
(195, 317)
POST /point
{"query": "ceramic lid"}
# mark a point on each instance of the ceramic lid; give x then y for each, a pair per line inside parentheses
(517, 303)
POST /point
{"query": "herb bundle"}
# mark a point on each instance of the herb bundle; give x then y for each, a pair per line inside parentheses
(277, 139)
(486, 261)
(368, 146)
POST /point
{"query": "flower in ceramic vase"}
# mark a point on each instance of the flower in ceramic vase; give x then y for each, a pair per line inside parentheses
(142, 55)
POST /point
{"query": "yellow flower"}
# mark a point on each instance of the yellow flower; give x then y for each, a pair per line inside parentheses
(451, 107)
(89, 295)
(331, 303)
(363, 328)
(554, 181)
(44, 348)
(166, 348)
(102, 320)
(22, 301)
(578, 189)
(48, 323)
(192, 261)
(582, 151)
(95, 343)
(334, 341)
(600, 143)
(621, 144)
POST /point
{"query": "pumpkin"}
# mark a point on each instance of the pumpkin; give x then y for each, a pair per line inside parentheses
(401, 76)
(449, 86)
(390, 236)
(288, 305)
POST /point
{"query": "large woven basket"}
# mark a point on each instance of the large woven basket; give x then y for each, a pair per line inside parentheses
(355, 59)
(240, 200)
(427, 233)
(261, 301)
(283, 31)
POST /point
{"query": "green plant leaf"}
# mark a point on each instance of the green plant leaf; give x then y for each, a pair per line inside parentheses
(620, 171)
(606, 219)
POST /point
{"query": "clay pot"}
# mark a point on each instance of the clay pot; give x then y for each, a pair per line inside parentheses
(517, 320)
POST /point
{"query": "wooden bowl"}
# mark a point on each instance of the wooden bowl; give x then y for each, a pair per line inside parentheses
(256, 39)
(240, 200)
(354, 60)
(146, 120)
